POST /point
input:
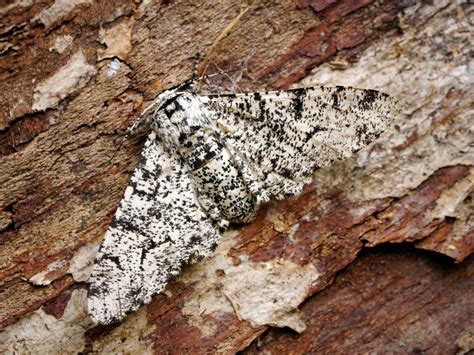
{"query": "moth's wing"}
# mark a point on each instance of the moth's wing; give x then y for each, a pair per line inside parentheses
(158, 227)
(286, 135)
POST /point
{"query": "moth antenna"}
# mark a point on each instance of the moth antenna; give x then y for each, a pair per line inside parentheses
(226, 74)
(224, 33)
(116, 150)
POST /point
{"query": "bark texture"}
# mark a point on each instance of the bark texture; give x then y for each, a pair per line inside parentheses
(74, 74)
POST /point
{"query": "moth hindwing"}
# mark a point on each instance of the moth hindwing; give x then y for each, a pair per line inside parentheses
(210, 160)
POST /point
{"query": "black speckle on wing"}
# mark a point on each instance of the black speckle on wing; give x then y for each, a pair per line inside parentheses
(298, 103)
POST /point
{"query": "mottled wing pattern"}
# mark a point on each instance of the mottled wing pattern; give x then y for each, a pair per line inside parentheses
(158, 227)
(286, 135)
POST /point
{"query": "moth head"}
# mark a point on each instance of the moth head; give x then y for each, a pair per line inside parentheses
(179, 115)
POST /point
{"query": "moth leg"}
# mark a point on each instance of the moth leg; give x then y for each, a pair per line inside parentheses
(143, 120)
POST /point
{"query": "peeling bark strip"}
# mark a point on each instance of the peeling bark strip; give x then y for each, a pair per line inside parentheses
(384, 296)
(59, 189)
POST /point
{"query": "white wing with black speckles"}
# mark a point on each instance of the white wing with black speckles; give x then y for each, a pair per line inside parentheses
(284, 136)
(158, 227)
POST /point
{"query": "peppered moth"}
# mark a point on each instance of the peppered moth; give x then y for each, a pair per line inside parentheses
(214, 159)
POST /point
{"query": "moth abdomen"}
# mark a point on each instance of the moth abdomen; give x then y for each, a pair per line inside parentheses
(218, 179)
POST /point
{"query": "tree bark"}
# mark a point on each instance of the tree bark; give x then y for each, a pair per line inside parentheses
(373, 256)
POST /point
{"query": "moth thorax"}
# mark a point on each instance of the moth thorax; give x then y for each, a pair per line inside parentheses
(198, 148)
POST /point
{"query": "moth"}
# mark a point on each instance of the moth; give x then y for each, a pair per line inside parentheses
(211, 160)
